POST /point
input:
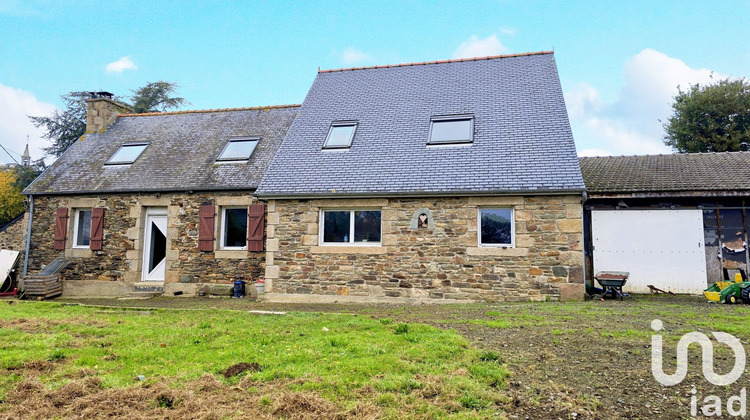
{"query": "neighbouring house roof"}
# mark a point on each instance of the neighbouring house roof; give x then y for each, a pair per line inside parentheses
(181, 155)
(522, 140)
(729, 171)
(13, 221)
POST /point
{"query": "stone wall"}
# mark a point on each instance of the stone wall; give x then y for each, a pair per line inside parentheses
(122, 252)
(13, 237)
(442, 261)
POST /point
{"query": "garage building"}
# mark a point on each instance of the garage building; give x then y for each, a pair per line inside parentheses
(677, 222)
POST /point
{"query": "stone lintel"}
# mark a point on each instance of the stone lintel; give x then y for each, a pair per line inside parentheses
(496, 201)
(350, 203)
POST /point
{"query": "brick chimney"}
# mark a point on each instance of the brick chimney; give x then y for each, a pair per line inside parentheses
(102, 111)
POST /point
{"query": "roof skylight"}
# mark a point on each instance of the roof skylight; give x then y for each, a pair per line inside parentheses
(453, 129)
(340, 135)
(238, 150)
(127, 154)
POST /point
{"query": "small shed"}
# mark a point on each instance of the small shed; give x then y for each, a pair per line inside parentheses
(678, 222)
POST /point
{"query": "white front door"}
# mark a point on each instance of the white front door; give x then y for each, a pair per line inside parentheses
(155, 245)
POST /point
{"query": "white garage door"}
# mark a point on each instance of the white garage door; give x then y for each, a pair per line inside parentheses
(660, 247)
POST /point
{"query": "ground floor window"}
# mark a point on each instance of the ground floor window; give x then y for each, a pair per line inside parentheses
(82, 228)
(496, 227)
(234, 228)
(350, 226)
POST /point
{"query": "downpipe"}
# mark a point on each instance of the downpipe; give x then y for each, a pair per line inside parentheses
(28, 236)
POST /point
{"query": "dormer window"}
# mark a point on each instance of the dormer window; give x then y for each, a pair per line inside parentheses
(340, 135)
(127, 154)
(238, 150)
(451, 129)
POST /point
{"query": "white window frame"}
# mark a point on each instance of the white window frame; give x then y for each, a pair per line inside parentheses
(219, 159)
(341, 124)
(321, 227)
(512, 227)
(126, 162)
(222, 231)
(448, 118)
(76, 217)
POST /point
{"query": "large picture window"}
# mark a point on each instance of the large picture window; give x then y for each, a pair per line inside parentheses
(496, 227)
(82, 228)
(350, 227)
(234, 228)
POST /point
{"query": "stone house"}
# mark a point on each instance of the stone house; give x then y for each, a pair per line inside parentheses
(160, 201)
(454, 179)
(678, 222)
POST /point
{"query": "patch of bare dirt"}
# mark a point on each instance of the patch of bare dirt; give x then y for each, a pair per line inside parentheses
(206, 398)
(239, 368)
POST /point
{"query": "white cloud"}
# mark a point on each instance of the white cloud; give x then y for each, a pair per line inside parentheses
(15, 125)
(508, 31)
(631, 124)
(353, 56)
(124, 63)
(475, 47)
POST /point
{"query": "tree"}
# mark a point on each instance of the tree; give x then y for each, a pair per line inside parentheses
(67, 125)
(710, 118)
(155, 97)
(24, 175)
(11, 200)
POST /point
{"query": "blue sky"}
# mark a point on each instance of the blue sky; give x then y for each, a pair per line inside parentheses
(619, 62)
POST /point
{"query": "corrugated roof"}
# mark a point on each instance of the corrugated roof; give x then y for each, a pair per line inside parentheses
(181, 155)
(663, 173)
(522, 137)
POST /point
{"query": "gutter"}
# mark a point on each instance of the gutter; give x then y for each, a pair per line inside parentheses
(417, 194)
(28, 236)
(187, 190)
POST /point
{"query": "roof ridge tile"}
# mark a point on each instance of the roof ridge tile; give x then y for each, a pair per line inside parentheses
(199, 111)
(424, 63)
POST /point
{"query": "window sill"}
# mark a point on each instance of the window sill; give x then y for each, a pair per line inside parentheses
(497, 251)
(360, 249)
(230, 254)
(79, 252)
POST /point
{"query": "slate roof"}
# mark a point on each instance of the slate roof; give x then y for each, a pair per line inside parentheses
(522, 138)
(728, 171)
(181, 155)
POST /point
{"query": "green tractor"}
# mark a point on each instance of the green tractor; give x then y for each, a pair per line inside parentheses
(729, 292)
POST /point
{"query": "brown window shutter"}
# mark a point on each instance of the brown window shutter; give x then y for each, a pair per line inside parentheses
(97, 228)
(255, 226)
(61, 227)
(206, 228)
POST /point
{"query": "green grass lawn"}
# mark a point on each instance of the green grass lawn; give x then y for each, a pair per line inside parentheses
(396, 368)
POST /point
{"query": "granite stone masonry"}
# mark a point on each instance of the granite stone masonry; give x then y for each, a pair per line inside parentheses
(13, 236)
(121, 256)
(442, 261)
